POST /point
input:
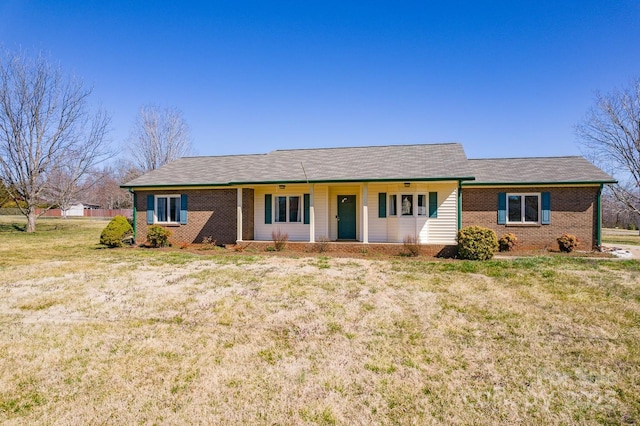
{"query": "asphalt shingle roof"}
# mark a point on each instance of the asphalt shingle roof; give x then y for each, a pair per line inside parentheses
(393, 162)
(536, 170)
(372, 163)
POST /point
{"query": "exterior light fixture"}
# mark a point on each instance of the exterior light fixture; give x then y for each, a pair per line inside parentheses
(281, 186)
(407, 184)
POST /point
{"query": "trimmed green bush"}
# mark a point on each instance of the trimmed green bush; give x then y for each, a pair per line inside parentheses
(476, 243)
(567, 242)
(116, 232)
(157, 236)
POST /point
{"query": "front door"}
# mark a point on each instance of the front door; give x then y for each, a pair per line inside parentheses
(346, 217)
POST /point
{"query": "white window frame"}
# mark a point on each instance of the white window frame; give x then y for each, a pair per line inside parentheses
(415, 207)
(168, 212)
(287, 208)
(422, 210)
(523, 215)
(411, 205)
(393, 205)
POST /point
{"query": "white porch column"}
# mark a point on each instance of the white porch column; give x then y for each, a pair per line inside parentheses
(239, 215)
(365, 213)
(312, 217)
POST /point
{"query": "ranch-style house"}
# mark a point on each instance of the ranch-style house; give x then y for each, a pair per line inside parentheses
(371, 195)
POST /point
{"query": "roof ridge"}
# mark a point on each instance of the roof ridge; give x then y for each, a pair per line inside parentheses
(526, 158)
(365, 146)
(224, 155)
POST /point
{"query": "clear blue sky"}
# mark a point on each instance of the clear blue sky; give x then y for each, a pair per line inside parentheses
(504, 78)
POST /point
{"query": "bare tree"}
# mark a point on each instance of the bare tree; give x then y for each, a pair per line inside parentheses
(4, 194)
(64, 188)
(106, 191)
(159, 135)
(611, 134)
(46, 128)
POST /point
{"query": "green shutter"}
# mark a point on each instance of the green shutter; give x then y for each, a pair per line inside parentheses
(183, 209)
(382, 204)
(267, 208)
(433, 205)
(150, 209)
(546, 208)
(502, 208)
(307, 203)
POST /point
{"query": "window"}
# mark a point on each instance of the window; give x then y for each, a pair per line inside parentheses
(295, 212)
(422, 205)
(407, 205)
(523, 208)
(288, 209)
(281, 209)
(167, 209)
(392, 205)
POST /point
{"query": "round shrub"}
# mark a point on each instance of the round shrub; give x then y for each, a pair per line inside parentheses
(157, 236)
(507, 241)
(567, 242)
(476, 243)
(116, 231)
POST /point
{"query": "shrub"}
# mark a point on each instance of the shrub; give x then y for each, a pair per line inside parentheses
(507, 241)
(476, 243)
(279, 239)
(411, 245)
(157, 236)
(322, 244)
(209, 243)
(116, 232)
(567, 242)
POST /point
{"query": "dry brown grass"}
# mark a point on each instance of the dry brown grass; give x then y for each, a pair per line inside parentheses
(620, 236)
(93, 336)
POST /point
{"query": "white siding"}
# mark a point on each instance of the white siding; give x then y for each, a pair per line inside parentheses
(321, 208)
(444, 228)
(296, 231)
(440, 230)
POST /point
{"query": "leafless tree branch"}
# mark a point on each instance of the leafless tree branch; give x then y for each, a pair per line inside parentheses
(46, 130)
(610, 133)
(159, 135)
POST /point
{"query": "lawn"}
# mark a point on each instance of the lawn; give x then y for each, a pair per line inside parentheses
(127, 336)
(620, 236)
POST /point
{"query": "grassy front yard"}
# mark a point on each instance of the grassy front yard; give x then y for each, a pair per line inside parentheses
(97, 336)
(620, 236)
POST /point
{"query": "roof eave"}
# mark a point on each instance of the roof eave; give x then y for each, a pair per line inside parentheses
(584, 182)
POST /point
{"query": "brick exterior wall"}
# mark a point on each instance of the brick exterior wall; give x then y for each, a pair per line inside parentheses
(573, 210)
(211, 213)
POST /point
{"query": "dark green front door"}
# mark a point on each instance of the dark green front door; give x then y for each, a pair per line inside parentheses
(346, 217)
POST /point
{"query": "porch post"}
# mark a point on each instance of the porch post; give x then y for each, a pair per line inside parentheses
(365, 213)
(239, 215)
(459, 205)
(599, 218)
(312, 216)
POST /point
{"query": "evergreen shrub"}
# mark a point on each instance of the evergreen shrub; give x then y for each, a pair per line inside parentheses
(116, 232)
(476, 243)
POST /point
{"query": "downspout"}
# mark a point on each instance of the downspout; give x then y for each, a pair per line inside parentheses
(599, 218)
(459, 205)
(135, 214)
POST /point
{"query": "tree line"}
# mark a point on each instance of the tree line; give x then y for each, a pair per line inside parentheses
(55, 150)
